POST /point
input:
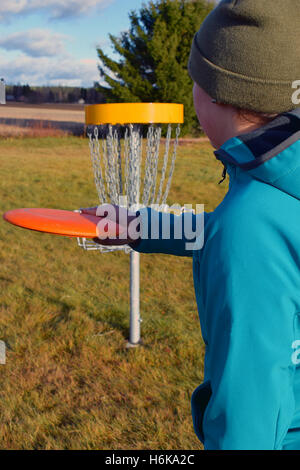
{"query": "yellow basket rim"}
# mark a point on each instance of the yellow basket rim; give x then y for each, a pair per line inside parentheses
(134, 113)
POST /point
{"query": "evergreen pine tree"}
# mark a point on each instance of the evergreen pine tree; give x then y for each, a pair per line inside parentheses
(154, 55)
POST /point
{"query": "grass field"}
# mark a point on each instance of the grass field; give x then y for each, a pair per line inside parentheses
(68, 381)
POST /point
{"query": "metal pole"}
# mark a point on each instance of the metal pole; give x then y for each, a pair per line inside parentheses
(134, 183)
(134, 332)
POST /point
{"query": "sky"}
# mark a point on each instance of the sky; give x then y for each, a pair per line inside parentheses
(53, 42)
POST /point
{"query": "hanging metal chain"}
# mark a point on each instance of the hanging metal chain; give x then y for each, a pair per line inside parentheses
(119, 162)
(177, 133)
(165, 163)
(151, 165)
(157, 136)
(126, 159)
(112, 165)
(134, 165)
(147, 169)
(96, 162)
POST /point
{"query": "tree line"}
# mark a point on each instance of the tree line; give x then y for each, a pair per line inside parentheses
(53, 94)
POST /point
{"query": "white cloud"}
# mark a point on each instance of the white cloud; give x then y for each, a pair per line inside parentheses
(35, 43)
(55, 9)
(62, 70)
(39, 57)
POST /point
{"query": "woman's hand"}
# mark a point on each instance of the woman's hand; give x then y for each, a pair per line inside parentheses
(117, 225)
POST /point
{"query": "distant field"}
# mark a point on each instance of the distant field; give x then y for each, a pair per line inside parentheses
(49, 112)
(20, 119)
(68, 381)
(67, 106)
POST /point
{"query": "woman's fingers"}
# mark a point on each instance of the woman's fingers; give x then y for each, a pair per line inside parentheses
(89, 210)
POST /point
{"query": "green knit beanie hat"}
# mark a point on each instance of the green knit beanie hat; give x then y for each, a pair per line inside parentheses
(247, 54)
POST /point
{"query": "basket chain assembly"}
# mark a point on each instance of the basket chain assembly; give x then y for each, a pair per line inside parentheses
(118, 163)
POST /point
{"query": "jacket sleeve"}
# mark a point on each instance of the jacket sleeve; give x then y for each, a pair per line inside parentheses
(163, 232)
(250, 326)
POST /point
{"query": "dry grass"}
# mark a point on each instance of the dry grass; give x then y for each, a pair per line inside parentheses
(40, 112)
(39, 129)
(68, 382)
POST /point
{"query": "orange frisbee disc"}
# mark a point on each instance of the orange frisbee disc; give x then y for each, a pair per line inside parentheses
(58, 222)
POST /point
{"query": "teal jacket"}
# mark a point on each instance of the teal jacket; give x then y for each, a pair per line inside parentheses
(247, 286)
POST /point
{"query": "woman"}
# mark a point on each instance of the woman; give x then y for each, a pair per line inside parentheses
(244, 61)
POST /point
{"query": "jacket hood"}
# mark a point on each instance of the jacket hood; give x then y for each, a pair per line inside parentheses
(270, 154)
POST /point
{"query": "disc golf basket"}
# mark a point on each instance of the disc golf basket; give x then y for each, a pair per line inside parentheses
(132, 168)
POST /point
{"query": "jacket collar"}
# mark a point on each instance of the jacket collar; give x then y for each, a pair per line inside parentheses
(269, 153)
(251, 150)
